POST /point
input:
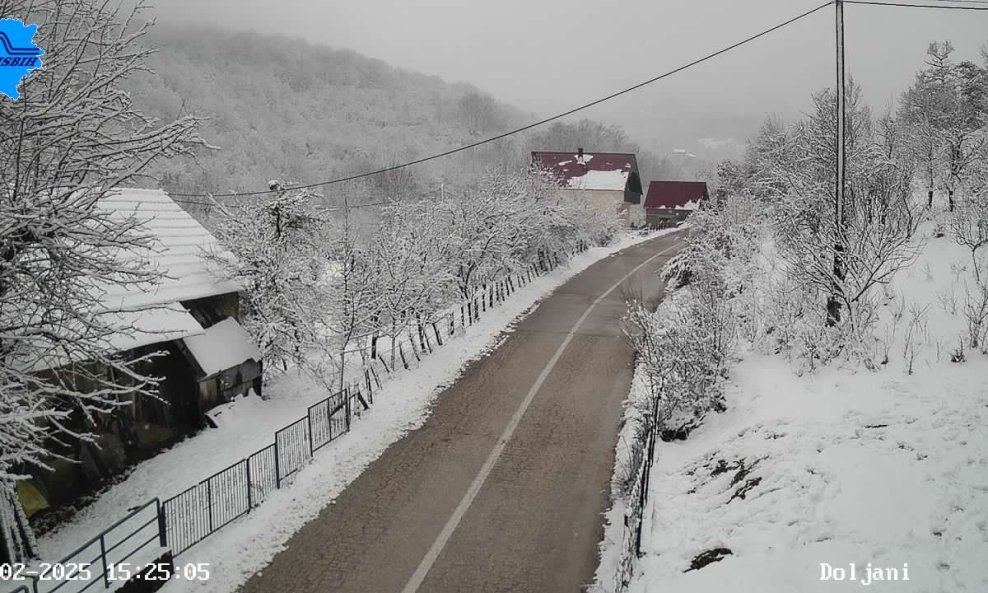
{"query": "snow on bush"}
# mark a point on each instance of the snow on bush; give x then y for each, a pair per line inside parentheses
(684, 345)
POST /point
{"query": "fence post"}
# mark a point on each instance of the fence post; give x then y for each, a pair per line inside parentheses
(250, 493)
(102, 555)
(209, 502)
(308, 417)
(377, 379)
(277, 464)
(162, 525)
(346, 405)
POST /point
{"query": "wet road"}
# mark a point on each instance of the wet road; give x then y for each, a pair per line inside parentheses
(502, 489)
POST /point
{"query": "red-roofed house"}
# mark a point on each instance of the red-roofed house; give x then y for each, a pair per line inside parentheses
(670, 202)
(608, 179)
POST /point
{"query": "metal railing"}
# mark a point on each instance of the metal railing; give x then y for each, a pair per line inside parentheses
(135, 539)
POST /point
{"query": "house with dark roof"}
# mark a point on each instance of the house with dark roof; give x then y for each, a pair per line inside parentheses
(668, 203)
(609, 180)
(189, 320)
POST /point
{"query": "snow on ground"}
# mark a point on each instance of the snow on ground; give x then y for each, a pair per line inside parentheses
(401, 405)
(845, 466)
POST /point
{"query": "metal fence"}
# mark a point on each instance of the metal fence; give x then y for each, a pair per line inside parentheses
(190, 516)
(134, 540)
(180, 522)
(634, 517)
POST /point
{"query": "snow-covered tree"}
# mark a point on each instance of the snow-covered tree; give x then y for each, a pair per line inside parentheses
(272, 248)
(840, 260)
(351, 305)
(73, 136)
(945, 111)
(411, 255)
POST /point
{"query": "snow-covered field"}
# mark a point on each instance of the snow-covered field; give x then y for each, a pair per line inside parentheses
(804, 477)
(400, 406)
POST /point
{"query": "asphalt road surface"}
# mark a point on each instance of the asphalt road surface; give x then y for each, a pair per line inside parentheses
(502, 489)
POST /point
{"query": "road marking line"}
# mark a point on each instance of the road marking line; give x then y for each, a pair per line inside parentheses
(478, 482)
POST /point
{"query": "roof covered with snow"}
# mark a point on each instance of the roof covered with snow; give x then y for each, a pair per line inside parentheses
(222, 346)
(678, 195)
(594, 171)
(173, 244)
(178, 248)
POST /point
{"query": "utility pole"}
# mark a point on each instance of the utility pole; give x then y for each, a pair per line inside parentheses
(841, 110)
(833, 304)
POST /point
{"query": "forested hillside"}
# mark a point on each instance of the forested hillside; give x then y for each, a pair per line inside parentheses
(279, 108)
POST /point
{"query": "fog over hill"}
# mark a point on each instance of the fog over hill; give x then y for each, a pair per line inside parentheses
(281, 108)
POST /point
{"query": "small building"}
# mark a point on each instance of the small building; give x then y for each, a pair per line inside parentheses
(669, 203)
(607, 179)
(189, 319)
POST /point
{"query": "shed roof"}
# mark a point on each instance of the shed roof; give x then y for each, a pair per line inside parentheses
(595, 171)
(678, 195)
(222, 346)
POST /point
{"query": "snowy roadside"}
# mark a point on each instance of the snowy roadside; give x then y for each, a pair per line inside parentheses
(400, 406)
(607, 577)
(838, 479)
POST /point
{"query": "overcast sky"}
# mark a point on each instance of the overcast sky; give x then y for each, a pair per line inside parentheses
(547, 55)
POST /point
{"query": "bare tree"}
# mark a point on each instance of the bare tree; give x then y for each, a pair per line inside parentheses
(478, 112)
(66, 144)
(874, 235)
(969, 228)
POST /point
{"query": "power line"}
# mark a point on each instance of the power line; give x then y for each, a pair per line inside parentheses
(961, 1)
(195, 202)
(335, 209)
(942, 6)
(532, 125)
